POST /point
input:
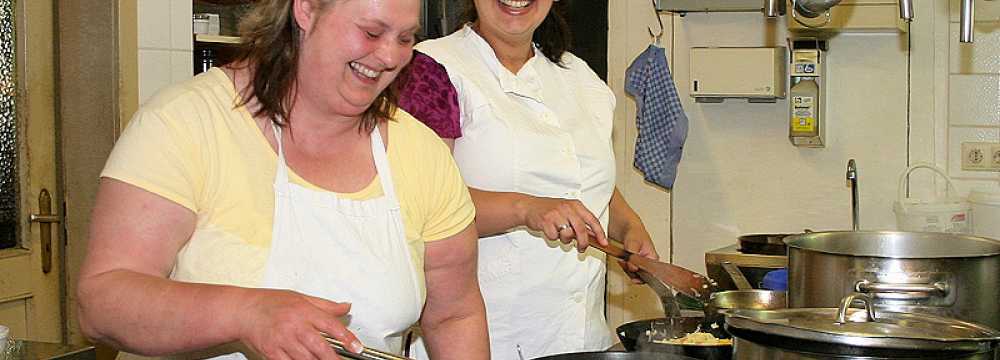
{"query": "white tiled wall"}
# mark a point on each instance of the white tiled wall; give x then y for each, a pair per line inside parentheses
(973, 91)
(165, 47)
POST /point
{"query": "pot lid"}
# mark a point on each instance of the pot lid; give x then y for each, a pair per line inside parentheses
(865, 328)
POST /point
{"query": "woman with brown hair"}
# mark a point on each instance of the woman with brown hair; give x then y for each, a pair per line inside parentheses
(535, 149)
(249, 210)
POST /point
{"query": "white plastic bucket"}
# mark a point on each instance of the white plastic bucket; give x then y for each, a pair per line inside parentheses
(951, 214)
(986, 210)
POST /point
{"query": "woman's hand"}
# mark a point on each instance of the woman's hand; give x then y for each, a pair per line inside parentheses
(561, 219)
(637, 241)
(281, 324)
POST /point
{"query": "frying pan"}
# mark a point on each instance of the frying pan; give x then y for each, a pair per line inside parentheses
(764, 244)
(634, 337)
(610, 355)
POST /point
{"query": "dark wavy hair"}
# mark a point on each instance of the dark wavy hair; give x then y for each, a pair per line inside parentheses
(269, 47)
(552, 37)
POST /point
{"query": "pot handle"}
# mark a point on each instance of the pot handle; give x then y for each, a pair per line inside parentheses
(926, 290)
(850, 299)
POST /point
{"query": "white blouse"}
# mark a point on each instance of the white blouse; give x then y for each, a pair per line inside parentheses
(545, 131)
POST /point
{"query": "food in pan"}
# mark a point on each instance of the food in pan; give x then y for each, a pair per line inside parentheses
(696, 338)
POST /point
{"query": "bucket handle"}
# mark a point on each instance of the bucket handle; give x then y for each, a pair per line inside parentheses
(906, 174)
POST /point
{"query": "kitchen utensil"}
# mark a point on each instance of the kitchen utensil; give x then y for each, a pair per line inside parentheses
(738, 278)
(366, 354)
(667, 300)
(722, 301)
(748, 300)
(766, 244)
(640, 336)
(949, 275)
(845, 333)
(611, 355)
(753, 266)
(744, 298)
(675, 277)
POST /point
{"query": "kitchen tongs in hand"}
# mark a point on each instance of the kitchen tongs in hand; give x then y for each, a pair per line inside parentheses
(366, 354)
(682, 280)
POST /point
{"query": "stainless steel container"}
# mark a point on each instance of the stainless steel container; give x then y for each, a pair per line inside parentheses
(948, 275)
(844, 333)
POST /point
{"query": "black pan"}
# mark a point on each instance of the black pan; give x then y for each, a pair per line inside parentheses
(610, 355)
(634, 337)
(763, 244)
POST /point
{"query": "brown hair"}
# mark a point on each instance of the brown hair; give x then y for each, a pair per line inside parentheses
(270, 45)
(552, 37)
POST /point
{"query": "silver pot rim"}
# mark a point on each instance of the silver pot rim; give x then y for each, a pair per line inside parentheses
(801, 324)
(890, 244)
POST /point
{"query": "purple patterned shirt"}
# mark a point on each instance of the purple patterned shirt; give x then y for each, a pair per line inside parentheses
(426, 93)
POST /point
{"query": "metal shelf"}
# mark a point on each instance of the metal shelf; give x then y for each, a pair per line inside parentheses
(216, 39)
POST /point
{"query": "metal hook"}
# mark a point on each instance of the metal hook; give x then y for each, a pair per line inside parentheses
(656, 13)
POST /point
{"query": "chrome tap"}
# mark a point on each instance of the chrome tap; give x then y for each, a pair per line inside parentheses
(906, 10)
(852, 177)
(773, 8)
(968, 19)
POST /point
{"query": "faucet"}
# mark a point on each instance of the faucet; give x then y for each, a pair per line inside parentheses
(852, 177)
(773, 8)
(968, 16)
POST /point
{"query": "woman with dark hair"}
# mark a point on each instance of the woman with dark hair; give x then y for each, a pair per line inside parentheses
(256, 207)
(535, 149)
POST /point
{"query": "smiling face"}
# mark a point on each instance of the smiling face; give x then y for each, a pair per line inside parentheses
(513, 21)
(352, 50)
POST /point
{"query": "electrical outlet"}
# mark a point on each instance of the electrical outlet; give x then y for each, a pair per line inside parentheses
(976, 156)
(995, 157)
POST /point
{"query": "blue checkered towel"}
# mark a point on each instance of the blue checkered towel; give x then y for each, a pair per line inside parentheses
(660, 118)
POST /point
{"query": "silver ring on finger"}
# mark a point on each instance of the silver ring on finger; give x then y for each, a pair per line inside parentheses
(562, 227)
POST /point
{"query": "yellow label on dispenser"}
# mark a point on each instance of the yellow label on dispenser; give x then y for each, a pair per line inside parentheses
(803, 115)
(803, 124)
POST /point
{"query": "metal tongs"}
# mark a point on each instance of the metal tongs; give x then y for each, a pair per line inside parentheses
(366, 354)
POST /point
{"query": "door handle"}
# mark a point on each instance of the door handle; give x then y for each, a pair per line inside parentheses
(45, 218)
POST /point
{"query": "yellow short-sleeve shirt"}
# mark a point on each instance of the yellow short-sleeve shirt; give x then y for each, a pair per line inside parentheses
(191, 145)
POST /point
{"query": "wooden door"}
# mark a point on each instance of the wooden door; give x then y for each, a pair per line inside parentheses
(30, 232)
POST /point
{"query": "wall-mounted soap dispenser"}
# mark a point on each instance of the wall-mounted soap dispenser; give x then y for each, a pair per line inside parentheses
(806, 96)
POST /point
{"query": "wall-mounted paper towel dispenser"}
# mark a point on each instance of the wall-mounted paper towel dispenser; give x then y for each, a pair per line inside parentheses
(754, 73)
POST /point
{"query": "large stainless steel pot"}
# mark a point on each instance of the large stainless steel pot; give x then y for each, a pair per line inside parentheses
(933, 273)
(844, 333)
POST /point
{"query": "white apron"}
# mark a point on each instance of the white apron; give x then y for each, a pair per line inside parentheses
(346, 251)
(536, 133)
